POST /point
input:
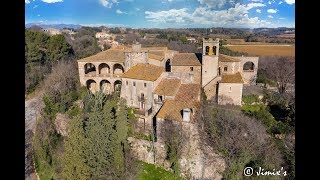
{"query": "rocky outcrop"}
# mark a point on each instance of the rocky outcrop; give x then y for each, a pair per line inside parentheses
(61, 124)
(200, 161)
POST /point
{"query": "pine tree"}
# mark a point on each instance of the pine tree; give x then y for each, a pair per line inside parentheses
(120, 142)
(74, 161)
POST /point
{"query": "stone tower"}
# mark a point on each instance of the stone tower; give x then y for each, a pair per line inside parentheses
(210, 53)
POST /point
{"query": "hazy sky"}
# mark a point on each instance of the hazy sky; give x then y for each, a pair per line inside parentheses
(164, 13)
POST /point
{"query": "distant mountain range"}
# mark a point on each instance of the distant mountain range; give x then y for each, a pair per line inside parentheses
(56, 26)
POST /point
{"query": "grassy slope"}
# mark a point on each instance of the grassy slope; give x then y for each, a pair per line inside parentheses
(151, 172)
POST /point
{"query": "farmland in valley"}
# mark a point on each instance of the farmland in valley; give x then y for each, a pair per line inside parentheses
(264, 50)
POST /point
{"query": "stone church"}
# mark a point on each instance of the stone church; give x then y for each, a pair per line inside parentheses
(164, 84)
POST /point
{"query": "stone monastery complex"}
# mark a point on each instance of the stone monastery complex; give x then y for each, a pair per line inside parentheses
(165, 84)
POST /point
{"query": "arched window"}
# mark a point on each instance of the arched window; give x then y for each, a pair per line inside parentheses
(248, 66)
(89, 68)
(104, 69)
(91, 85)
(214, 50)
(225, 69)
(118, 69)
(117, 85)
(168, 66)
(207, 50)
(105, 87)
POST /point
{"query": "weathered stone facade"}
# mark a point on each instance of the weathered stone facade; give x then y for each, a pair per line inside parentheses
(193, 71)
(230, 93)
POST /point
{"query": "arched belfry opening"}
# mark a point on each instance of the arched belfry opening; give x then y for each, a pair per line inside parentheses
(168, 65)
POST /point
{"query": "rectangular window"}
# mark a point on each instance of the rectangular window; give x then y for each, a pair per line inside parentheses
(126, 82)
(191, 68)
(134, 83)
(145, 84)
(230, 89)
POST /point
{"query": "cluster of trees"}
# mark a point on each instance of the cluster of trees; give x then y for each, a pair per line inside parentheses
(96, 146)
(241, 139)
(41, 52)
(84, 43)
(61, 90)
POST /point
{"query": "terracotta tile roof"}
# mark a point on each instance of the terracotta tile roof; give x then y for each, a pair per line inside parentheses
(186, 97)
(225, 58)
(154, 48)
(188, 92)
(232, 78)
(146, 72)
(113, 55)
(168, 87)
(155, 56)
(186, 59)
(171, 109)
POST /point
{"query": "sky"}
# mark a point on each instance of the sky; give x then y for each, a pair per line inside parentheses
(163, 13)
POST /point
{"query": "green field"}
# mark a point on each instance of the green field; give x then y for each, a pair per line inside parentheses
(151, 172)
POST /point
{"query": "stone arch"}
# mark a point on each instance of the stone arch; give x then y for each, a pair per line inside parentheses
(92, 85)
(89, 68)
(105, 86)
(168, 65)
(118, 69)
(117, 85)
(104, 69)
(248, 66)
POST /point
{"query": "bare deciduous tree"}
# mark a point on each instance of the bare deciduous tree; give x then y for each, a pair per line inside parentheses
(280, 69)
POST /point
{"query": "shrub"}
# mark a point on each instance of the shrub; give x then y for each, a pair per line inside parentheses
(249, 99)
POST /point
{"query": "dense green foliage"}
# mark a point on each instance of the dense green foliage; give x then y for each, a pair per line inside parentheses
(262, 113)
(103, 131)
(41, 53)
(42, 48)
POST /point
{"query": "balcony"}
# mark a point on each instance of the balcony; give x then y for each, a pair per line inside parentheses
(141, 112)
(141, 99)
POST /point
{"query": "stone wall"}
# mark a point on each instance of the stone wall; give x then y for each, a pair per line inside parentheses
(186, 69)
(249, 77)
(156, 62)
(211, 89)
(134, 58)
(230, 93)
(131, 92)
(232, 67)
(209, 68)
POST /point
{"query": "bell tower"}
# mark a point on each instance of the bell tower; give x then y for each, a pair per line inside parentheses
(210, 54)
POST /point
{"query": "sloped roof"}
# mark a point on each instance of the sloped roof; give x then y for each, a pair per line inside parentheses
(232, 78)
(186, 59)
(110, 55)
(225, 58)
(168, 87)
(186, 97)
(171, 109)
(155, 56)
(188, 92)
(146, 72)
